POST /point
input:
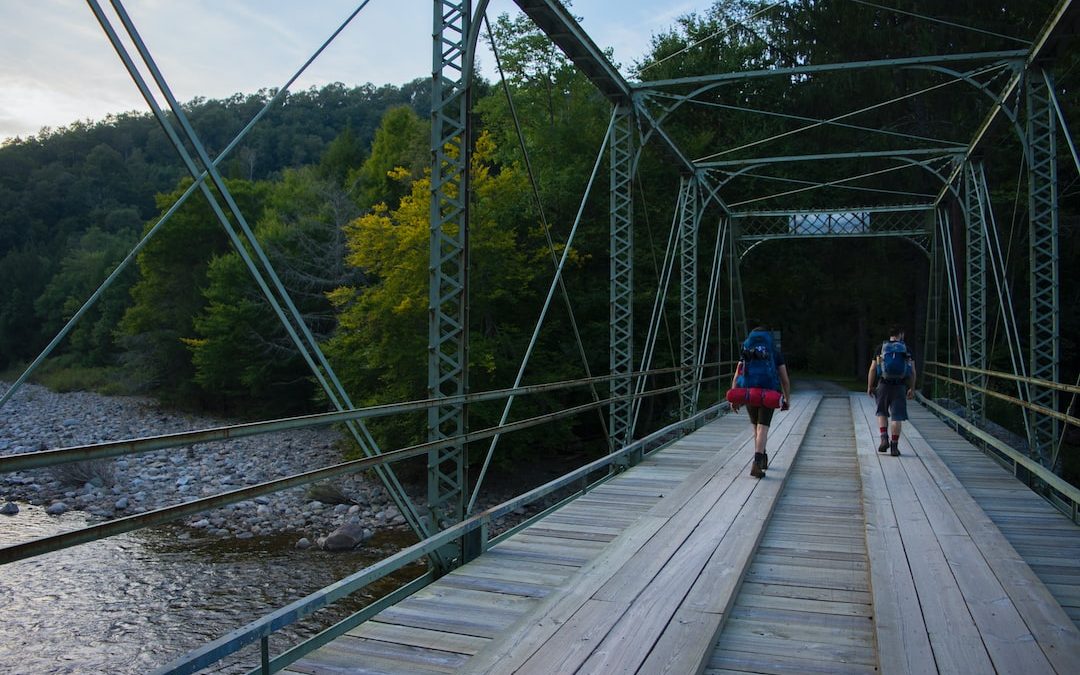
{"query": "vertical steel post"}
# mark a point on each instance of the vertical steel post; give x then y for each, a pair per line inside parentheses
(976, 297)
(738, 309)
(448, 315)
(933, 310)
(1044, 267)
(621, 342)
(688, 330)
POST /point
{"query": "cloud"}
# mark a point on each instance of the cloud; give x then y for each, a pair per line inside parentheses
(56, 65)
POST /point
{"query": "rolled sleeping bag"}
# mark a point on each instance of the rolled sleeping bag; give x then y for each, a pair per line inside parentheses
(768, 398)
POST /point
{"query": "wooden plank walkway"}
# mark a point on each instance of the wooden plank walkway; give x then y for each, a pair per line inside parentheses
(1041, 534)
(841, 560)
(805, 604)
(951, 595)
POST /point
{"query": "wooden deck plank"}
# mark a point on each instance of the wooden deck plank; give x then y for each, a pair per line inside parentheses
(1055, 632)
(518, 646)
(418, 637)
(902, 638)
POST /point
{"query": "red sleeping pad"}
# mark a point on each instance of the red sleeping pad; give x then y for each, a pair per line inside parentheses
(768, 398)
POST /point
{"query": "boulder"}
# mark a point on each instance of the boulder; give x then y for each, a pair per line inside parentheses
(347, 537)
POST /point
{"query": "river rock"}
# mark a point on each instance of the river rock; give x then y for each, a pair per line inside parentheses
(345, 538)
(9, 509)
(303, 543)
(56, 508)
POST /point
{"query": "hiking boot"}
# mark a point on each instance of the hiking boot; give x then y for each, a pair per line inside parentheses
(894, 449)
(764, 461)
(884, 445)
(755, 470)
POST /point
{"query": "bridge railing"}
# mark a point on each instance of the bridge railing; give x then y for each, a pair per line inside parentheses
(1059, 492)
(472, 533)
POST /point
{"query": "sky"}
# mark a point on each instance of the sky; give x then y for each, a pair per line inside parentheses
(57, 67)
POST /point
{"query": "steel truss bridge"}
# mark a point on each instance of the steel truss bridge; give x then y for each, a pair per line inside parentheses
(663, 555)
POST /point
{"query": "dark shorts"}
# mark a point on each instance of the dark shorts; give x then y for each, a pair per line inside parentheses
(759, 414)
(892, 401)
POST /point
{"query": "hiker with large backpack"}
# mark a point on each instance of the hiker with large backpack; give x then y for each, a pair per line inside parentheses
(891, 381)
(761, 384)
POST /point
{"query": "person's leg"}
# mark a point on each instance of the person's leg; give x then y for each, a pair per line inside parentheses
(761, 438)
(898, 414)
(881, 398)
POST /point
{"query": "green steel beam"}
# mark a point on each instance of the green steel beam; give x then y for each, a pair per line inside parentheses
(904, 152)
(300, 334)
(681, 99)
(933, 308)
(1055, 35)
(551, 17)
(735, 299)
(977, 343)
(1044, 258)
(282, 91)
(448, 317)
(1006, 306)
(621, 310)
(688, 328)
(832, 67)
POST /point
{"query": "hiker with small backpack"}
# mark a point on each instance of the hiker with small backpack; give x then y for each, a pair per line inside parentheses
(761, 384)
(891, 381)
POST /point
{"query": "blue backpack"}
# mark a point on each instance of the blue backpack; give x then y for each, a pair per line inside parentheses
(759, 362)
(894, 361)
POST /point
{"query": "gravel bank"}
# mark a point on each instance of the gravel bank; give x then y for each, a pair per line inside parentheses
(39, 419)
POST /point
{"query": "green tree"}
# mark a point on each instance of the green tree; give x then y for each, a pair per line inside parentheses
(380, 346)
(242, 354)
(402, 140)
(82, 270)
(167, 296)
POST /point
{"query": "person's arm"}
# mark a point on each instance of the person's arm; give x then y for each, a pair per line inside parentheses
(911, 384)
(785, 383)
(871, 376)
(734, 380)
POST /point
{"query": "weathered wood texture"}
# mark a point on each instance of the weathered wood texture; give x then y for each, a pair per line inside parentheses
(805, 604)
(842, 560)
(439, 628)
(1044, 537)
(982, 609)
(631, 596)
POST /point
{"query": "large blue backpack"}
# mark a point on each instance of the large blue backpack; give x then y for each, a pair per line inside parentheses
(894, 361)
(759, 362)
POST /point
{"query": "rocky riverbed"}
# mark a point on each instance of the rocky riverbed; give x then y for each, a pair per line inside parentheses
(38, 419)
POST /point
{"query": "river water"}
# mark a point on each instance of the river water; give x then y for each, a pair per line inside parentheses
(134, 602)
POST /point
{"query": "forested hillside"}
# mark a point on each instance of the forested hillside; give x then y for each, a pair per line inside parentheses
(335, 184)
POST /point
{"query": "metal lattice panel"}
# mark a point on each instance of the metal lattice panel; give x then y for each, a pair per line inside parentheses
(1045, 316)
(905, 222)
(688, 230)
(622, 276)
(447, 301)
(976, 295)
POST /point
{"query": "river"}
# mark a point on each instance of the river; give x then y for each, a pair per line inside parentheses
(134, 602)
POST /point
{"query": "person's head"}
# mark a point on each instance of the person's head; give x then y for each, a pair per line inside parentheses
(896, 331)
(757, 324)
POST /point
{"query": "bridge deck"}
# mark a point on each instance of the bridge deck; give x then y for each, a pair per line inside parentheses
(841, 560)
